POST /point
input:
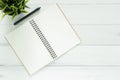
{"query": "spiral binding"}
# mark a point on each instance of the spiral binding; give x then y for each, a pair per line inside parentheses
(43, 39)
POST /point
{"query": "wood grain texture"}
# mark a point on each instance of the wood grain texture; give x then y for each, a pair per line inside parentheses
(7, 56)
(81, 55)
(100, 45)
(97, 22)
(91, 55)
(87, 1)
(100, 35)
(73, 1)
(89, 14)
(61, 73)
(92, 14)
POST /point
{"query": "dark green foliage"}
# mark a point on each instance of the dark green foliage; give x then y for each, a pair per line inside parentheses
(13, 7)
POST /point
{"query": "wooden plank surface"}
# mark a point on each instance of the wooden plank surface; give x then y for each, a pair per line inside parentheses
(91, 55)
(89, 14)
(97, 22)
(61, 73)
(100, 35)
(7, 56)
(100, 45)
(92, 14)
(87, 1)
(75, 1)
(81, 55)
(89, 34)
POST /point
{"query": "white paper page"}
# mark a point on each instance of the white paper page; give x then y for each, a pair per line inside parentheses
(29, 48)
(57, 30)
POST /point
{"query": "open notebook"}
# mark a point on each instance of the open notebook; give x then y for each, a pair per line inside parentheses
(42, 39)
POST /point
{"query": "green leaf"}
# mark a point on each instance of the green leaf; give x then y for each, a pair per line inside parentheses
(13, 16)
(13, 7)
(6, 14)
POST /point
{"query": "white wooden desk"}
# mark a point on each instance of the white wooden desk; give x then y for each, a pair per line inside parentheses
(97, 22)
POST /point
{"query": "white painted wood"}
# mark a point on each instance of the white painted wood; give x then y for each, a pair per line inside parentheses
(74, 1)
(92, 14)
(7, 56)
(89, 34)
(98, 34)
(62, 73)
(97, 42)
(91, 55)
(86, 1)
(13, 73)
(41, 2)
(81, 55)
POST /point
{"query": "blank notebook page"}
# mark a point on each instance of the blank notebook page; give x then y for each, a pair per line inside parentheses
(42, 39)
